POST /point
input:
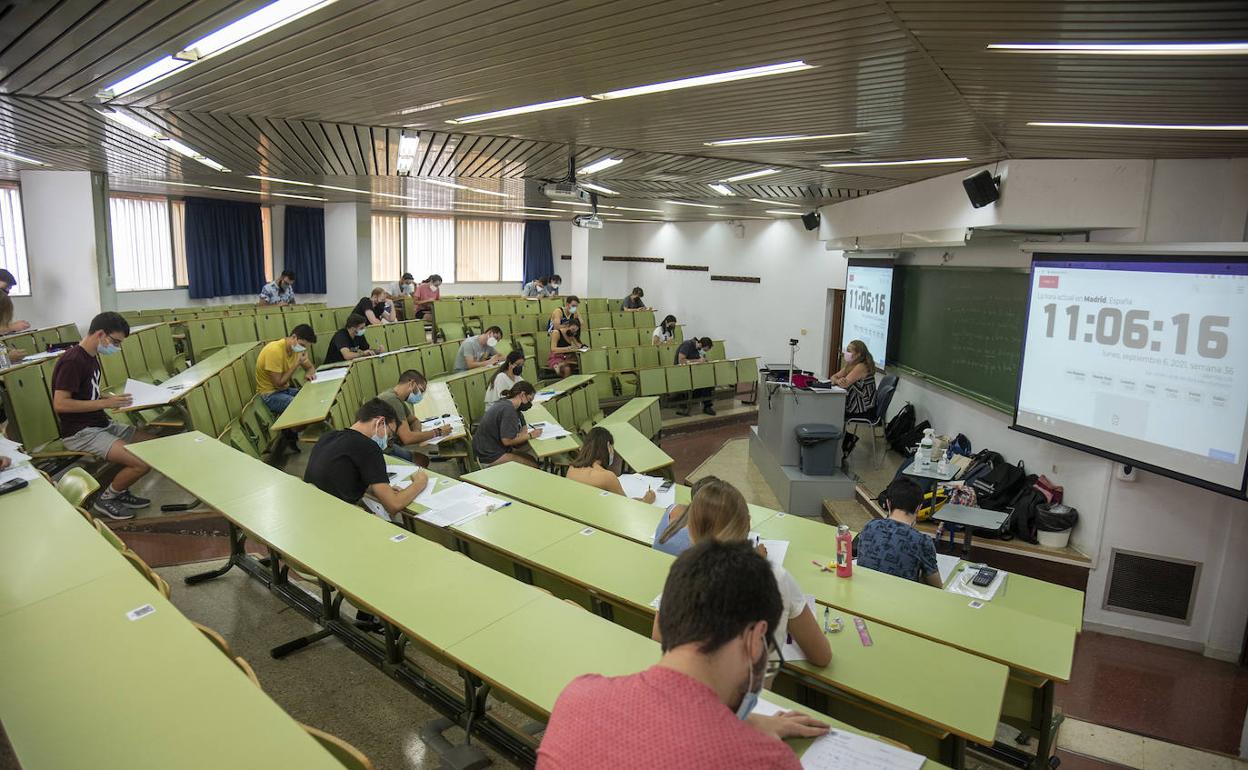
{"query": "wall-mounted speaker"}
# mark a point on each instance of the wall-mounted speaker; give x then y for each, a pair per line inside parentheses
(982, 188)
(811, 220)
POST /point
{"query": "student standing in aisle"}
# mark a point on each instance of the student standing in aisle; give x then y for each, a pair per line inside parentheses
(280, 292)
(893, 545)
(665, 332)
(633, 302)
(502, 430)
(349, 342)
(692, 709)
(511, 372)
(478, 351)
(409, 391)
(427, 291)
(85, 427)
(692, 351)
(594, 463)
(375, 308)
(276, 365)
(857, 376)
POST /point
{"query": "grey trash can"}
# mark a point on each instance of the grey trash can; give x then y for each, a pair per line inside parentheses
(820, 446)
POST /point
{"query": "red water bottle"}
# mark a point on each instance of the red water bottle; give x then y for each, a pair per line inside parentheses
(844, 552)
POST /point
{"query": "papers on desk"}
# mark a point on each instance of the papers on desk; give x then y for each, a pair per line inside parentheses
(455, 421)
(543, 396)
(550, 431)
(765, 707)
(147, 394)
(455, 505)
(399, 473)
(961, 584)
(946, 563)
(843, 750)
(13, 451)
(21, 471)
(336, 373)
(636, 484)
(40, 356)
(776, 549)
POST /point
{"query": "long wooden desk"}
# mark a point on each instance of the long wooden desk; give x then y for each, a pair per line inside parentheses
(187, 380)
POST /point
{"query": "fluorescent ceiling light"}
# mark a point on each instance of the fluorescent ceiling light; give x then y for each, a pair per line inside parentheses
(600, 165)
(254, 24)
(752, 175)
(1149, 126)
(278, 179)
(629, 208)
(258, 192)
(166, 181)
(345, 189)
(1127, 49)
(598, 188)
(138, 126)
(556, 104)
(919, 162)
(131, 122)
(21, 158)
(783, 213)
(642, 221)
(721, 189)
(192, 153)
(687, 203)
(455, 186)
(409, 146)
(766, 202)
(149, 74)
(570, 203)
(777, 139)
(705, 80)
(736, 216)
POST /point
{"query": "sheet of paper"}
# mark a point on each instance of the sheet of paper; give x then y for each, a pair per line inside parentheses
(455, 421)
(454, 495)
(40, 356)
(962, 585)
(23, 471)
(13, 451)
(451, 515)
(398, 473)
(544, 396)
(336, 373)
(432, 488)
(551, 430)
(765, 707)
(147, 394)
(946, 563)
(636, 484)
(842, 750)
(776, 549)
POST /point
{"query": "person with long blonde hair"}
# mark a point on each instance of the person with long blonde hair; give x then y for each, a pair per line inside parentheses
(719, 512)
(857, 376)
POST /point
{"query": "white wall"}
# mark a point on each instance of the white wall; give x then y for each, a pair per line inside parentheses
(1182, 200)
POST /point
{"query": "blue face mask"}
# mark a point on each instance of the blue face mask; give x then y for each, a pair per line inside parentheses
(381, 441)
(359, 332)
(750, 699)
(415, 397)
(298, 348)
(109, 350)
(572, 310)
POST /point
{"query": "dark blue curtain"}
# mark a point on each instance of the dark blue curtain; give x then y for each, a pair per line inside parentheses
(305, 248)
(224, 248)
(539, 260)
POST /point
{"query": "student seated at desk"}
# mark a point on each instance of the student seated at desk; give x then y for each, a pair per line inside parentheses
(565, 341)
(633, 302)
(893, 545)
(857, 376)
(665, 332)
(719, 512)
(478, 351)
(376, 308)
(692, 710)
(280, 292)
(534, 289)
(502, 430)
(9, 326)
(6, 321)
(84, 425)
(349, 342)
(672, 534)
(409, 390)
(427, 291)
(562, 316)
(277, 363)
(691, 352)
(552, 286)
(594, 462)
(511, 372)
(407, 285)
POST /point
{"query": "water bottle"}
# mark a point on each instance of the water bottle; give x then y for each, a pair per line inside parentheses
(4, 357)
(925, 448)
(844, 552)
(943, 467)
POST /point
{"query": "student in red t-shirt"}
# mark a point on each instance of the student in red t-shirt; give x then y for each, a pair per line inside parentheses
(84, 425)
(692, 710)
(427, 291)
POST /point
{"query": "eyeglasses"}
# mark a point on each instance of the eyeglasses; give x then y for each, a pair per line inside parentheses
(773, 666)
(116, 341)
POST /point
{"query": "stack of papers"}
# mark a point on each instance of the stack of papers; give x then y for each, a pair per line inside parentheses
(544, 396)
(336, 373)
(147, 394)
(456, 504)
(636, 484)
(551, 430)
(843, 750)
(13, 451)
(20, 471)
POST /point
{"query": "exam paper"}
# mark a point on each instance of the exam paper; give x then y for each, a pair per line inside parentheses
(147, 394)
(454, 495)
(22, 471)
(336, 373)
(550, 430)
(13, 451)
(765, 707)
(636, 484)
(544, 396)
(776, 549)
(40, 356)
(842, 750)
(457, 513)
(398, 473)
(946, 563)
(376, 508)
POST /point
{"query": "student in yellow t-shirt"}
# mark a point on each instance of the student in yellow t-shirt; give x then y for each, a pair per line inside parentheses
(277, 363)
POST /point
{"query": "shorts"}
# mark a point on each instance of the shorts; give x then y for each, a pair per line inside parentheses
(556, 360)
(97, 441)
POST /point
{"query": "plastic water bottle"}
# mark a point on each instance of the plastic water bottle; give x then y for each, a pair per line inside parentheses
(925, 448)
(844, 552)
(943, 467)
(4, 357)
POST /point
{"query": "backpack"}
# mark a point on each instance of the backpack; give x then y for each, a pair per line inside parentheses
(961, 445)
(910, 441)
(898, 427)
(997, 489)
(1052, 492)
(982, 462)
(1023, 513)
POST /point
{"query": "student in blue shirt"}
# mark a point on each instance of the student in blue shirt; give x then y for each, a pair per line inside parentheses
(672, 534)
(893, 545)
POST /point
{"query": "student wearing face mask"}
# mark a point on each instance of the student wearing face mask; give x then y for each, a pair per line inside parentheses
(664, 332)
(511, 372)
(857, 376)
(8, 326)
(691, 710)
(478, 351)
(376, 308)
(349, 342)
(594, 464)
(692, 351)
(634, 302)
(427, 291)
(719, 512)
(85, 427)
(552, 286)
(276, 365)
(562, 316)
(407, 393)
(502, 431)
(565, 341)
(534, 289)
(280, 292)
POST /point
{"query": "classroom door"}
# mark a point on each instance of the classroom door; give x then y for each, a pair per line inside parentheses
(835, 330)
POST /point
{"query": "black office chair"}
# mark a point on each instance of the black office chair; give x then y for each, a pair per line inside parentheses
(883, 397)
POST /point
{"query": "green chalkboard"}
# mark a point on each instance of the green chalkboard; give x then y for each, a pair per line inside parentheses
(962, 329)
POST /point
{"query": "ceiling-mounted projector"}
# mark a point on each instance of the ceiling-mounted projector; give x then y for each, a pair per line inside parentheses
(565, 191)
(587, 221)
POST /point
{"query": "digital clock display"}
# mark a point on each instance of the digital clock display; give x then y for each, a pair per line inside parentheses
(868, 301)
(1141, 358)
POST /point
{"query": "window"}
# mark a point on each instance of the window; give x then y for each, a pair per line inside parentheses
(387, 247)
(513, 251)
(142, 243)
(476, 249)
(177, 210)
(431, 247)
(13, 239)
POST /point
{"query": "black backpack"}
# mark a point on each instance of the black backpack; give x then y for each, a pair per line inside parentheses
(899, 427)
(982, 463)
(1024, 510)
(908, 442)
(997, 489)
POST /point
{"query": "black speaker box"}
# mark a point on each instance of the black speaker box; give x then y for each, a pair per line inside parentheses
(982, 188)
(811, 220)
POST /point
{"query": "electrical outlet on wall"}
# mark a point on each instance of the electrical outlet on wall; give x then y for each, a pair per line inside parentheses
(1125, 473)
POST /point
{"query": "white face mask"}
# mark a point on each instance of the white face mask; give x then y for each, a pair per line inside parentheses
(554, 286)
(491, 341)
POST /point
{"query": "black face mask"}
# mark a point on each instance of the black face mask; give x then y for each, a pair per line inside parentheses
(526, 406)
(517, 369)
(671, 327)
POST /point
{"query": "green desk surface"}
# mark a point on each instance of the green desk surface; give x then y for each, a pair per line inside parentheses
(438, 402)
(57, 693)
(641, 454)
(206, 369)
(808, 534)
(536, 652)
(519, 530)
(758, 514)
(46, 547)
(210, 470)
(629, 410)
(608, 564)
(311, 405)
(1020, 640)
(570, 383)
(593, 507)
(548, 447)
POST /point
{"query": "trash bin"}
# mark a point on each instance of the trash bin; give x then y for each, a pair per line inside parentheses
(820, 446)
(1054, 523)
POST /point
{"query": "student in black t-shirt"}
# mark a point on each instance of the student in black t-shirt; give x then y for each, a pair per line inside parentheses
(376, 308)
(350, 343)
(634, 302)
(691, 352)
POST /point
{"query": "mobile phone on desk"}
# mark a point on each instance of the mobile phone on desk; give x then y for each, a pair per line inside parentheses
(13, 485)
(666, 485)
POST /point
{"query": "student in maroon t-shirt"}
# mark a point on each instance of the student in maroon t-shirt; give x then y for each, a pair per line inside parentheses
(692, 710)
(84, 425)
